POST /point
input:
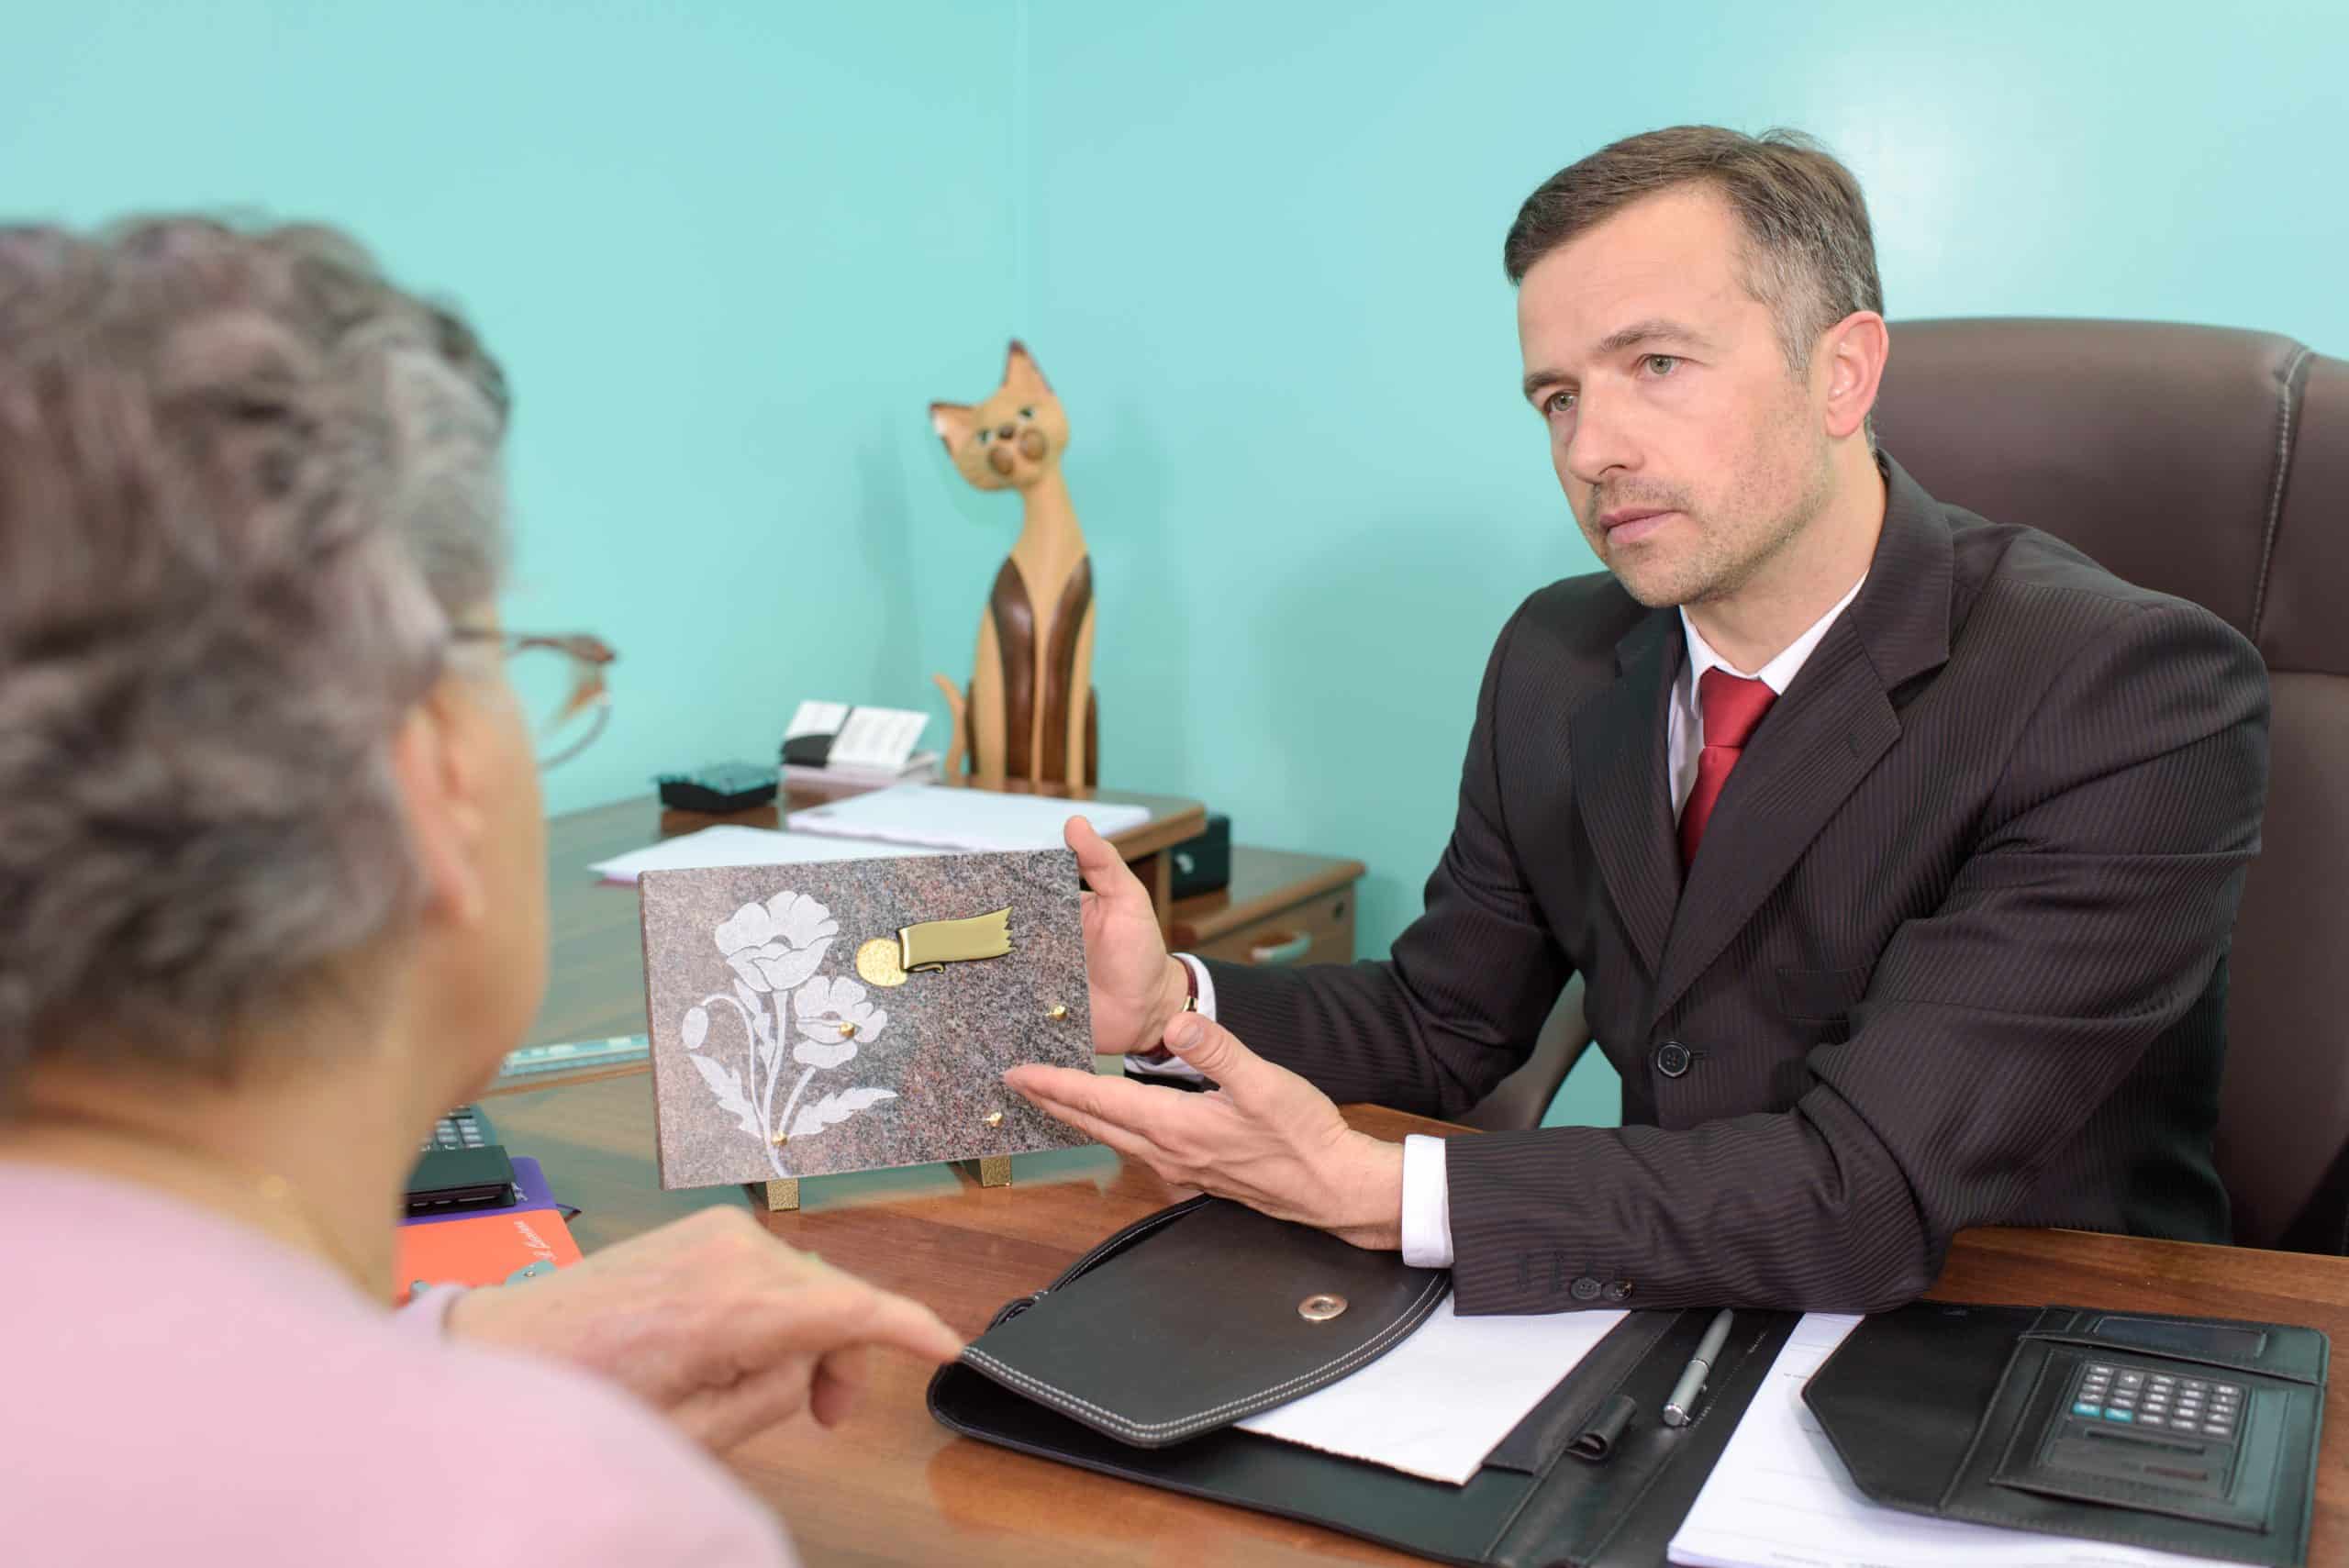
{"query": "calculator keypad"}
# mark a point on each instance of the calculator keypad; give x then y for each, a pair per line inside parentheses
(461, 1128)
(2157, 1400)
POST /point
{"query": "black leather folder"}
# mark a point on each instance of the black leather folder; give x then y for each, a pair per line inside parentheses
(1137, 1361)
(2186, 1435)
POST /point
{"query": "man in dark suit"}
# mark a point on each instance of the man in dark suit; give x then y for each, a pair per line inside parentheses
(1899, 849)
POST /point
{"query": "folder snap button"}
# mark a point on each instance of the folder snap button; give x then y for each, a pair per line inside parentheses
(1321, 1309)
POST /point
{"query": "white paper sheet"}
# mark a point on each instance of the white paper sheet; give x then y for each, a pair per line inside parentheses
(969, 820)
(729, 844)
(1780, 1498)
(1438, 1403)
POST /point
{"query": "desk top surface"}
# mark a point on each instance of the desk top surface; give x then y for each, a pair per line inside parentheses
(893, 1487)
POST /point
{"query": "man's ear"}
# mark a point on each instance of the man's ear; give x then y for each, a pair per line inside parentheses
(954, 423)
(1021, 374)
(439, 781)
(1852, 355)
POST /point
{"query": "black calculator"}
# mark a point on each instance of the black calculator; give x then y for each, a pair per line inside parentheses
(2169, 1434)
(461, 1166)
(2160, 1403)
(465, 1128)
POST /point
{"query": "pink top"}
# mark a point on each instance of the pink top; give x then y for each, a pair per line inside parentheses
(179, 1389)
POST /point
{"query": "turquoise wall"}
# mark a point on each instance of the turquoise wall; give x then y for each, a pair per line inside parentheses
(729, 252)
(726, 251)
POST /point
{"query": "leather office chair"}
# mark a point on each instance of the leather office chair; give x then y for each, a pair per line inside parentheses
(2211, 464)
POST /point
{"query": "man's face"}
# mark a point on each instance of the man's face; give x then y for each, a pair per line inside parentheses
(1691, 456)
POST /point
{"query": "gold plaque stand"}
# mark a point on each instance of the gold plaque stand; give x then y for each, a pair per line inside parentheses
(782, 1196)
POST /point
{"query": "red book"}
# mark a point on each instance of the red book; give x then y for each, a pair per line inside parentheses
(489, 1249)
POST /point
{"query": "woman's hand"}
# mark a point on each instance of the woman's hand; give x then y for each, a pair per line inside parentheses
(712, 1322)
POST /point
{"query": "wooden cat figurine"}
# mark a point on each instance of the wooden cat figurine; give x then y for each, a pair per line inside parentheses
(1029, 710)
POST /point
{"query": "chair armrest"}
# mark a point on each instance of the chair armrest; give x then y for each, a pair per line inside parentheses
(1524, 1096)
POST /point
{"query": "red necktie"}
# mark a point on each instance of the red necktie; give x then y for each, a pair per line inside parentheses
(1733, 707)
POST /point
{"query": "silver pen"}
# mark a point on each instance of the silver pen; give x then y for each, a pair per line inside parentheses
(1700, 1365)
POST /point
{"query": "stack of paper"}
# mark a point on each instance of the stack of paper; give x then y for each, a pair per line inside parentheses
(974, 820)
(731, 845)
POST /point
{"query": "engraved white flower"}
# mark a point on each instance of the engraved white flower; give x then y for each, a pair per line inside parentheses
(820, 1009)
(777, 945)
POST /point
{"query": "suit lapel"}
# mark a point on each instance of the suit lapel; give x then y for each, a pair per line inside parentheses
(1819, 740)
(1618, 742)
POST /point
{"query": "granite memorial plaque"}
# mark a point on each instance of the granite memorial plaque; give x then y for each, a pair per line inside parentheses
(812, 1019)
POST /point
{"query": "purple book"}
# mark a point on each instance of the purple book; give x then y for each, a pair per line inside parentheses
(529, 1188)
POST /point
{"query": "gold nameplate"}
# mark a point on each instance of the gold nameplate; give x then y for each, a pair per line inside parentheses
(930, 947)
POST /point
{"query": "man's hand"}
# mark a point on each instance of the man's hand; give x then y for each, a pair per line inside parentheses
(1267, 1138)
(712, 1322)
(1136, 987)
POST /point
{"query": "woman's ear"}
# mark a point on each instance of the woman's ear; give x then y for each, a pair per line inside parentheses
(439, 781)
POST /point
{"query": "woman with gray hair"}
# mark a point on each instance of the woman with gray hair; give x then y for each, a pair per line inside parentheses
(272, 898)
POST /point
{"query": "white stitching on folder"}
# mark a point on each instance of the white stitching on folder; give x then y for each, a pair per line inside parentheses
(1347, 1362)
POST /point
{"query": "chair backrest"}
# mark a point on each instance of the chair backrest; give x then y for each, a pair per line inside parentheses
(2213, 464)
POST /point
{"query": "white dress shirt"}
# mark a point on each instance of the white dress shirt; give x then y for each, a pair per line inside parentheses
(1427, 1192)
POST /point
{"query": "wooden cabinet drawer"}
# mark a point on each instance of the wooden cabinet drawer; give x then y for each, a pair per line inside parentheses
(1318, 931)
(1281, 907)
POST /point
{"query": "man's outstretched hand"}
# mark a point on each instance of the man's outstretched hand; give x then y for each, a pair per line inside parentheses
(1267, 1138)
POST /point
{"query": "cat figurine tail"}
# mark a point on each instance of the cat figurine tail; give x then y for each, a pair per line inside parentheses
(959, 746)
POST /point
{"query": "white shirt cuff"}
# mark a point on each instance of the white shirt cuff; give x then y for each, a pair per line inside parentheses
(1174, 1066)
(1426, 1204)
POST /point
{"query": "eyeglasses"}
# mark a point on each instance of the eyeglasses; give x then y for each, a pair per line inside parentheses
(559, 681)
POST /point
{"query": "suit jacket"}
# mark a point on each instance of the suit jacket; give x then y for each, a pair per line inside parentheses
(1953, 952)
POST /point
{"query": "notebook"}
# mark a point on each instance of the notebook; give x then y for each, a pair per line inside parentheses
(500, 1247)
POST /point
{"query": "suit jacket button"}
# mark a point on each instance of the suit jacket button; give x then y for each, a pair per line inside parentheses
(1583, 1289)
(1620, 1291)
(1672, 1058)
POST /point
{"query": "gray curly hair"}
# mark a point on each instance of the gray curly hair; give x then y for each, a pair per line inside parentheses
(245, 485)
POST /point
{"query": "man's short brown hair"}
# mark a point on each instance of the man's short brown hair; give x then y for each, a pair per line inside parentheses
(1810, 254)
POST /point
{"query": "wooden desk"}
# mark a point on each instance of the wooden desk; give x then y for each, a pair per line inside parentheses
(894, 1486)
(596, 979)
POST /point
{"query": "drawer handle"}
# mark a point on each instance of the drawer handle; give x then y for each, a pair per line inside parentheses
(1289, 950)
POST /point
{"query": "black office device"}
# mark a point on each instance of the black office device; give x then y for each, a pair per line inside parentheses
(718, 788)
(1202, 865)
(460, 1167)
